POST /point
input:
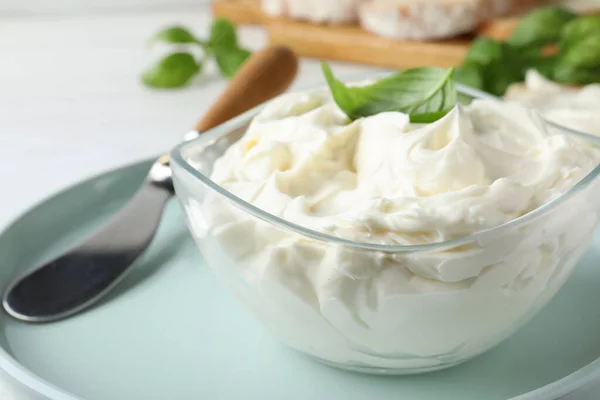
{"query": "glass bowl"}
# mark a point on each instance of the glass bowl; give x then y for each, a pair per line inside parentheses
(366, 319)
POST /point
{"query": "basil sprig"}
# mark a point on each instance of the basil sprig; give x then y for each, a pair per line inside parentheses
(540, 27)
(425, 93)
(174, 70)
(177, 69)
(555, 41)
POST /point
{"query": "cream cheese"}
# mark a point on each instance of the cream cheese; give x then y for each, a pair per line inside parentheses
(383, 180)
(575, 108)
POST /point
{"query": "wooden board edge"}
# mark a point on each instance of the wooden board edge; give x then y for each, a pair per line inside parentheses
(351, 44)
(240, 12)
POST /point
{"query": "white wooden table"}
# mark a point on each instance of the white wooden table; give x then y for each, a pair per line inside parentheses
(71, 105)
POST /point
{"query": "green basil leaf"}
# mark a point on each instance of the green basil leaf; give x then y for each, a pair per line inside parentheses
(425, 93)
(173, 71)
(230, 60)
(484, 50)
(579, 28)
(499, 76)
(492, 66)
(544, 65)
(222, 35)
(584, 52)
(470, 75)
(224, 46)
(175, 34)
(541, 27)
(568, 74)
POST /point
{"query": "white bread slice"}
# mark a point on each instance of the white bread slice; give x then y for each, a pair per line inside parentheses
(317, 11)
(431, 19)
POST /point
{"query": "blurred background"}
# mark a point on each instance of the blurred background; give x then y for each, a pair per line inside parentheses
(31, 7)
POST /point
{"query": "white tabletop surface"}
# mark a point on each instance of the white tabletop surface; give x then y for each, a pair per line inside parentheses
(71, 105)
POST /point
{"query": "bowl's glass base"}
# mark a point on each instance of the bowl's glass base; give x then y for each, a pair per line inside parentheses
(366, 369)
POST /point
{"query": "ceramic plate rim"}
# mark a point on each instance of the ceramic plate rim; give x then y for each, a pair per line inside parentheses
(27, 378)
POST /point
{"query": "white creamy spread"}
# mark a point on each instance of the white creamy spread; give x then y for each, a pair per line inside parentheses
(576, 108)
(385, 181)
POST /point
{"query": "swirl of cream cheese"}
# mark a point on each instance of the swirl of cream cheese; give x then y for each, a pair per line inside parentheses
(382, 180)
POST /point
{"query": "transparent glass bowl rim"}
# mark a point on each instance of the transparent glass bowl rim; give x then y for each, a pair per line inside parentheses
(178, 160)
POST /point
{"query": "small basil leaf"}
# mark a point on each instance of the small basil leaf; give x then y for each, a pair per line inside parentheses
(568, 74)
(492, 66)
(484, 50)
(175, 34)
(173, 71)
(222, 35)
(541, 26)
(579, 28)
(470, 75)
(230, 60)
(584, 52)
(499, 76)
(545, 65)
(425, 93)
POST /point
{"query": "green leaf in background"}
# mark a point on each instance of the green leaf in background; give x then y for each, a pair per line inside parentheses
(173, 71)
(470, 75)
(484, 50)
(541, 27)
(556, 42)
(584, 52)
(222, 35)
(230, 60)
(175, 34)
(224, 46)
(544, 65)
(492, 66)
(425, 93)
(499, 76)
(579, 28)
(568, 74)
(177, 69)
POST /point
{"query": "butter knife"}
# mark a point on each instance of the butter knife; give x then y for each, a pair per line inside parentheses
(79, 278)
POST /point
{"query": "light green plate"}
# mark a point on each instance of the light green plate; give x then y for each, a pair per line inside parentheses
(171, 332)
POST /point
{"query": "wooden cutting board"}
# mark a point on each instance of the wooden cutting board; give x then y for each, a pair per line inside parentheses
(344, 43)
(241, 12)
(351, 43)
